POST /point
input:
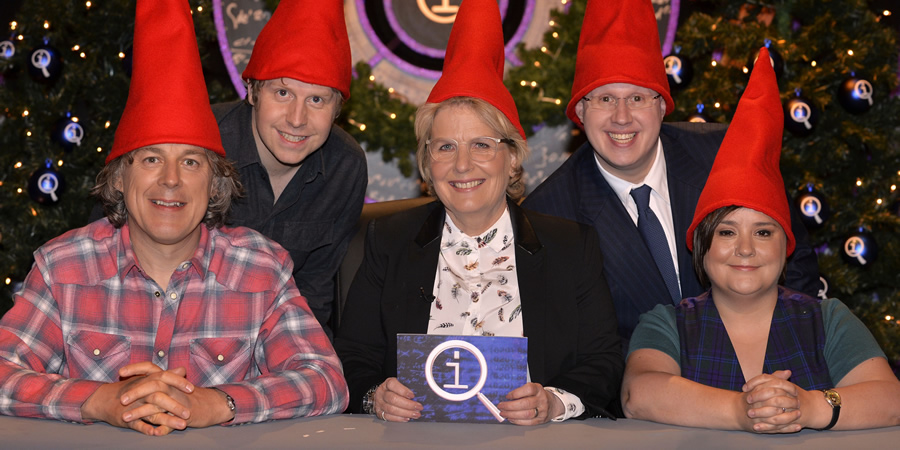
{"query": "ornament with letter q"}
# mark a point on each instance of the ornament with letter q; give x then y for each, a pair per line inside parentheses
(800, 115)
(68, 132)
(860, 248)
(774, 58)
(679, 70)
(855, 94)
(813, 206)
(46, 184)
(44, 64)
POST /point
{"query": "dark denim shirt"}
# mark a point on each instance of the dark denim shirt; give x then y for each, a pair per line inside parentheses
(315, 215)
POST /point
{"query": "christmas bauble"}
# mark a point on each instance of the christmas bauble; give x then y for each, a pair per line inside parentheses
(68, 133)
(823, 287)
(860, 248)
(800, 116)
(7, 50)
(45, 185)
(699, 115)
(679, 71)
(814, 210)
(774, 58)
(855, 94)
(45, 64)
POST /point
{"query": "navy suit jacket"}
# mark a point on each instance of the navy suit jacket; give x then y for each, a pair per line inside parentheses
(578, 191)
(567, 313)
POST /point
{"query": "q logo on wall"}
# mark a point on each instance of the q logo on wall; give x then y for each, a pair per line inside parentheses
(404, 40)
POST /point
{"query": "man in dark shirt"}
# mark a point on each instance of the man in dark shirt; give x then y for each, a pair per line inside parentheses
(305, 178)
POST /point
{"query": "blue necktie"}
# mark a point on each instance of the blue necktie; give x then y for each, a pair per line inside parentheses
(655, 238)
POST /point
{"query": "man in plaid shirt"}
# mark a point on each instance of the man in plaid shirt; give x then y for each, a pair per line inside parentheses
(158, 318)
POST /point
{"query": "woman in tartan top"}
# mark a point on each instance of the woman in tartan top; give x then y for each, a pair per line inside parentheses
(749, 354)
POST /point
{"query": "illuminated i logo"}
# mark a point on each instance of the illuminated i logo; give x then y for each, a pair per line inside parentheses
(434, 13)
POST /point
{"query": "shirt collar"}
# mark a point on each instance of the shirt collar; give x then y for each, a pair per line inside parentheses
(492, 238)
(128, 260)
(656, 178)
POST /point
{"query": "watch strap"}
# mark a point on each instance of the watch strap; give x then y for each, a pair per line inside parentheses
(835, 411)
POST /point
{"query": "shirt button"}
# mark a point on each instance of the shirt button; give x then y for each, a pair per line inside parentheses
(156, 293)
(96, 352)
(161, 353)
(221, 358)
(173, 296)
(185, 265)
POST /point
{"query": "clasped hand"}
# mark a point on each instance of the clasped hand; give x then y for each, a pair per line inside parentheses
(529, 404)
(153, 401)
(771, 403)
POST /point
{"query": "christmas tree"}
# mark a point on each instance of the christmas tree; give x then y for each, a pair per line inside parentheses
(837, 69)
(64, 76)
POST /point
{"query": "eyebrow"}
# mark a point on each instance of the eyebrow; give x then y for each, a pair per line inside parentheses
(757, 224)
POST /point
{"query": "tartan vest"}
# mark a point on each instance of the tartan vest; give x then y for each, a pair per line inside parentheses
(796, 342)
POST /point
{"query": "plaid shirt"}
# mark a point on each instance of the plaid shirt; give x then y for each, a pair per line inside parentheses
(232, 316)
(796, 342)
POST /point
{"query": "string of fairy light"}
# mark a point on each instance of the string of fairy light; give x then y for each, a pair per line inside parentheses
(79, 51)
(552, 50)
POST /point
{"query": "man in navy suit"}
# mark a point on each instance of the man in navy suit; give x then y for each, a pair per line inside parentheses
(619, 97)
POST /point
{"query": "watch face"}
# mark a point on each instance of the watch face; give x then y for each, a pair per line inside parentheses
(833, 398)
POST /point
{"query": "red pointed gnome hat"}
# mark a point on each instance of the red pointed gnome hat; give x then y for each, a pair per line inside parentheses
(167, 98)
(305, 40)
(746, 171)
(619, 43)
(473, 65)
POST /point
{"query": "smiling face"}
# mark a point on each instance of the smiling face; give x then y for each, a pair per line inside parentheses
(624, 139)
(746, 256)
(166, 190)
(474, 192)
(291, 119)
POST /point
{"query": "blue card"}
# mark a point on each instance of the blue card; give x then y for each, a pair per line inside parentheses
(461, 378)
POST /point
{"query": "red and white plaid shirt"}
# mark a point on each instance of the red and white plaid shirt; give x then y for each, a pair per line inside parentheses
(232, 316)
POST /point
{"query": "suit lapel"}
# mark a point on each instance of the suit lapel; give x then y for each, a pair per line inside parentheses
(419, 273)
(532, 288)
(631, 271)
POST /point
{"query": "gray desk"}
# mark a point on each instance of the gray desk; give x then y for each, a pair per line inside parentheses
(348, 431)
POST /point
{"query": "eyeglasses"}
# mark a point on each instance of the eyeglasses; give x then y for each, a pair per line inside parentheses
(480, 149)
(610, 103)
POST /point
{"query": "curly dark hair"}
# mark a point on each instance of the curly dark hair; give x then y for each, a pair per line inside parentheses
(226, 187)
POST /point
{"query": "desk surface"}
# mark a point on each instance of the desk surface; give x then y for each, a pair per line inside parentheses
(342, 431)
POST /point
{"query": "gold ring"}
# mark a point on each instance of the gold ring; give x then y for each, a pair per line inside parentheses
(535, 413)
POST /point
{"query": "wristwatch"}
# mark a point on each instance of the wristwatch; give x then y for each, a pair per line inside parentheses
(368, 402)
(833, 399)
(228, 400)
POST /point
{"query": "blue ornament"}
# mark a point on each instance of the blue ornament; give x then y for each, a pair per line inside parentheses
(700, 116)
(813, 206)
(7, 50)
(855, 94)
(679, 70)
(68, 132)
(823, 287)
(45, 64)
(860, 248)
(800, 116)
(46, 184)
(774, 58)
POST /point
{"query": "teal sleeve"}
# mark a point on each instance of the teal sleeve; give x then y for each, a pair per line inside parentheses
(848, 342)
(657, 330)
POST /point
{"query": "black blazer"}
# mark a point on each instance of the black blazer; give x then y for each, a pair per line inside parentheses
(577, 191)
(567, 311)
